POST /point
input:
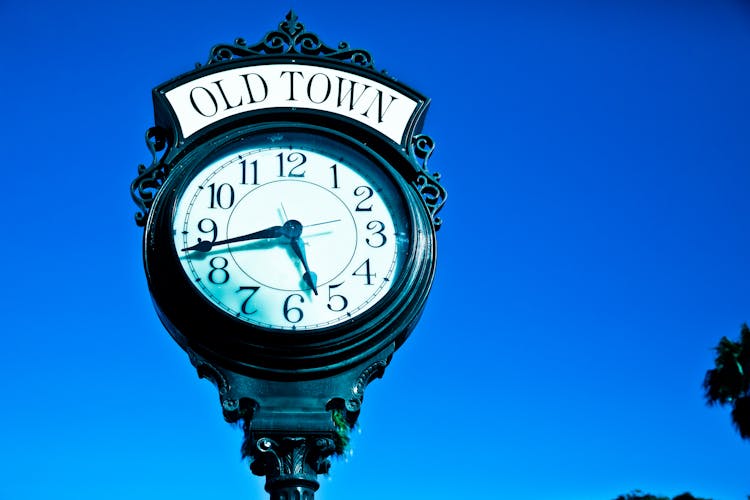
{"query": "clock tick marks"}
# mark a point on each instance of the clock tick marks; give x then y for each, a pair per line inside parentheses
(322, 212)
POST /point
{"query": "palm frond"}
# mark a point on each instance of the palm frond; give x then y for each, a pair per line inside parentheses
(729, 379)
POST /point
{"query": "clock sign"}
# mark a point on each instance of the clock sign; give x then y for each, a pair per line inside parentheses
(290, 220)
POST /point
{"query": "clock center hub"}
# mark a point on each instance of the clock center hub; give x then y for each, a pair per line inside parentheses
(307, 212)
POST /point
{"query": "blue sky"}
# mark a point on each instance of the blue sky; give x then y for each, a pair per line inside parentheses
(594, 251)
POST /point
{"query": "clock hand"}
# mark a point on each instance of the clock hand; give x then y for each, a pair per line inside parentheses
(321, 223)
(271, 232)
(292, 229)
(309, 277)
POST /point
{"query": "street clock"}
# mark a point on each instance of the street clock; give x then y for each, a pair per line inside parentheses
(289, 242)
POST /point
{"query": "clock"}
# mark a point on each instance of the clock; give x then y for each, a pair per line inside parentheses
(293, 243)
(291, 231)
(289, 242)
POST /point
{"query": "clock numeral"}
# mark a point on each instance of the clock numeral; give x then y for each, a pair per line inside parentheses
(366, 273)
(367, 192)
(340, 298)
(222, 197)
(377, 227)
(254, 164)
(293, 314)
(295, 161)
(252, 290)
(211, 229)
(218, 274)
(334, 171)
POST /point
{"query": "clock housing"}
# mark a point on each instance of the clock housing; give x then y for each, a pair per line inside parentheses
(250, 178)
(289, 241)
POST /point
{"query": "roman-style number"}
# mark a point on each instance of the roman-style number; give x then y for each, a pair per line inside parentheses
(254, 165)
(293, 314)
(335, 173)
(208, 226)
(252, 290)
(367, 192)
(222, 196)
(218, 274)
(366, 274)
(338, 298)
(294, 160)
(377, 227)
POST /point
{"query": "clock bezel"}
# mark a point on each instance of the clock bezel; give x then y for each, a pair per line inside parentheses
(203, 327)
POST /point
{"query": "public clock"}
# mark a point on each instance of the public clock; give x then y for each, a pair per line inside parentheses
(296, 233)
(288, 236)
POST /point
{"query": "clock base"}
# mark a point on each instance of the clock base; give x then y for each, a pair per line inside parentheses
(292, 428)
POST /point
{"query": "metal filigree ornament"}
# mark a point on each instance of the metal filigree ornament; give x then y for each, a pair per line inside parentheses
(428, 184)
(290, 38)
(146, 185)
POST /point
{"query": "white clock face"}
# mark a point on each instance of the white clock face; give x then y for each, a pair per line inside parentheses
(294, 233)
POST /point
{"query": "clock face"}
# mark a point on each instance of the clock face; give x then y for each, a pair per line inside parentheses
(291, 231)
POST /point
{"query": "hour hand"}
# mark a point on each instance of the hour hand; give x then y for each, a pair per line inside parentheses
(206, 245)
(309, 277)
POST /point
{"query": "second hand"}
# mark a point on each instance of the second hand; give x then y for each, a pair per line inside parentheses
(321, 223)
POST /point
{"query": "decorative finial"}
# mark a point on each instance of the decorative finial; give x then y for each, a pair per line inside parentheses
(291, 25)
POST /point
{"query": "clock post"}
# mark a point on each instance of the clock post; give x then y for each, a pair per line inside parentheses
(289, 241)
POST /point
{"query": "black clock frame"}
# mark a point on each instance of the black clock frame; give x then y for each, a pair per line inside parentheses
(200, 326)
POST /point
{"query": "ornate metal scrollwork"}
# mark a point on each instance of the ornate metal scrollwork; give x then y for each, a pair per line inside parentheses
(146, 185)
(233, 409)
(426, 183)
(375, 370)
(290, 38)
(292, 456)
(290, 464)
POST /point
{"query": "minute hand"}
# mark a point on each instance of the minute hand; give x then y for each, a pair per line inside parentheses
(205, 245)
